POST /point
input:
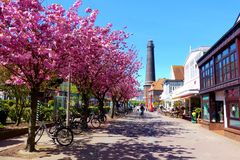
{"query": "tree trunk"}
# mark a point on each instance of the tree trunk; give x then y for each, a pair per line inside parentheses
(126, 105)
(32, 122)
(113, 109)
(101, 105)
(85, 100)
(22, 105)
(17, 111)
(20, 116)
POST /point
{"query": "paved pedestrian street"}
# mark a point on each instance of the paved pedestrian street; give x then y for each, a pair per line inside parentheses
(133, 137)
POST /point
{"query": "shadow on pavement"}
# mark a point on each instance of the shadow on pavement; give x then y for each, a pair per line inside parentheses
(128, 150)
(8, 142)
(132, 149)
(149, 126)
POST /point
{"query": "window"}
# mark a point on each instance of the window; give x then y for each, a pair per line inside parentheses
(207, 75)
(205, 108)
(226, 64)
(219, 56)
(225, 53)
(234, 120)
(234, 110)
(232, 98)
(233, 48)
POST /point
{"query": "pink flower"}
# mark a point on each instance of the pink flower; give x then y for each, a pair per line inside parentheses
(8, 81)
(88, 10)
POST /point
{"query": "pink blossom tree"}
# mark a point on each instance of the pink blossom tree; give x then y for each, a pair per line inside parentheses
(30, 36)
(99, 59)
(126, 89)
(122, 66)
(37, 43)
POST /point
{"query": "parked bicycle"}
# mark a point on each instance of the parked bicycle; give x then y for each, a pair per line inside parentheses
(96, 119)
(63, 135)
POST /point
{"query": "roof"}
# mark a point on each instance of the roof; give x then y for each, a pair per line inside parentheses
(221, 40)
(157, 85)
(172, 80)
(238, 19)
(178, 72)
(203, 49)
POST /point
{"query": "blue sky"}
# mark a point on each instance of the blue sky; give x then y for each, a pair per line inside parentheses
(173, 25)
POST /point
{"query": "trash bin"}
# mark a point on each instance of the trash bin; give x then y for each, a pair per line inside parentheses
(194, 117)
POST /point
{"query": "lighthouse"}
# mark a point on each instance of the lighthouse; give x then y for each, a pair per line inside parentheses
(150, 74)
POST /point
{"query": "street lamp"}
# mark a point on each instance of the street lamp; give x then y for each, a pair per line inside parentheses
(68, 97)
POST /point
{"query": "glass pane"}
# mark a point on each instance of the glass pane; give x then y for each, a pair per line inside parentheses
(232, 58)
(206, 111)
(223, 62)
(233, 47)
(232, 66)
(205, 97)
(234, 110)
(236, 56)
(211, 62)
(227, 60)
(220, 78)
(228, 67)
(207, 65)
(234, 123)
(233, 74)
(225, 52)
(219, 56)
(236, 69)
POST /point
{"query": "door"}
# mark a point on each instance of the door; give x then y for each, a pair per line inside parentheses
(219, 112)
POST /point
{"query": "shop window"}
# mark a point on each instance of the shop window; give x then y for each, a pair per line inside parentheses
(234, 123)
(234, 120)
(217, 112)
(206, 111)
(234, 110)
(205, 108)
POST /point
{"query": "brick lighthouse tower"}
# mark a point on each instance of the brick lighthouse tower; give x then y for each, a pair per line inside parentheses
(150, 74)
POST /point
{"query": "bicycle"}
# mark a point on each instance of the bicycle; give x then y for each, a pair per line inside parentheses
(63, 135)
(95, 122)
(102, 117)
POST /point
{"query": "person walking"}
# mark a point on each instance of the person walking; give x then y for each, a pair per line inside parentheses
(142, 109)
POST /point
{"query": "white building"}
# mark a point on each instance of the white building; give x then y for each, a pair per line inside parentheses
(175, 81)
(189, 92)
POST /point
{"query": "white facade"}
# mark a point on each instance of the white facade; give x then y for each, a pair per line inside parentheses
(168, 89)
(191, 74)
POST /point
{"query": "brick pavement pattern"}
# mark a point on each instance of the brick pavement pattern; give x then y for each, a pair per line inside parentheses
(151, 137)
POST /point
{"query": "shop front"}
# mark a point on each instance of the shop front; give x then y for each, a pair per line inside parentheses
(212, 111)
(220, 84)
(233, 114)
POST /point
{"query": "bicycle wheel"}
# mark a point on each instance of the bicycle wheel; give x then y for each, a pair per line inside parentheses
(95, 123)
(38, 134)
(64, 136)
(103, 118)
(52, 129)
(76, 127)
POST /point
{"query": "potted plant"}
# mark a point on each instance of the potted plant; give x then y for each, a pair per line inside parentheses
(198, 112)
